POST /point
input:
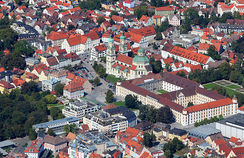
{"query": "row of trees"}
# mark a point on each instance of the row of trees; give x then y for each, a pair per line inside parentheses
(149, 113)
(207, 121)
(172, 146)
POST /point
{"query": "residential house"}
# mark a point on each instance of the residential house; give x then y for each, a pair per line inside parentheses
(174, 19)
(129, 3)
(164, 11)
(177, 133)
(35, 149)
(74, 90)
(146, 21)
(5, 87)
(131, 141)
(57, 38)
(97, 52)
(49, 85)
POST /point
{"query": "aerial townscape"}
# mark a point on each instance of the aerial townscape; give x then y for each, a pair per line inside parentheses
(121, 78)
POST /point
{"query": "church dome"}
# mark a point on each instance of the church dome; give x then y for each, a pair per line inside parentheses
(140, 59)
(111, 40)
(122, 37)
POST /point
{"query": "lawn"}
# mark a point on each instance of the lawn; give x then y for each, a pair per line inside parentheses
(209, 85)
(112, 78)
(233, 86)
(119, 103)
(54, 105)
(162, 91)
(229, 89)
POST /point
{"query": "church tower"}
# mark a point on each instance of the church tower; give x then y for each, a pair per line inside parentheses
(122, 45)
(110, 56)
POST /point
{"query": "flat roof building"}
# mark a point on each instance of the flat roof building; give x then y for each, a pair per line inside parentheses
(56, 125)
(232, 126)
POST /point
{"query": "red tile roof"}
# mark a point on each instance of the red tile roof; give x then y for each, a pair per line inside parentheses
(57, 36)
(18, 81)
(203, 46)
(167, 8)
(35, 147)
(6, 85)
(94, 155)
(78, 39)
(73, 86)
(209, 105)
(124, 59)
(92, 35)
(189, 55)
(145, 31)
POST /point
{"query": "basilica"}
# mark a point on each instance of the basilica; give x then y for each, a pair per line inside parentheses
(121, 65)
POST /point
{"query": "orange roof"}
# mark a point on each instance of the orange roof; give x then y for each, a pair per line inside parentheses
(203, 46)
(92, 35)
(144, 18)
(73, 86)
(156, 16)
(94, 155)
(146, 155)
(189, 55)
(167, 8)
(18, 81)
(136, 37)
(71, 136)
(209, 105)
(2, 69)
(75, 40)
(109, 106)
(124, 59)
(57, 36)
(35, 147)
(117, 18)
(234, 139)
(145, 31)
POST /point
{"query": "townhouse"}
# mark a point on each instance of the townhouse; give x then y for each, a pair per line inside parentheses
(57, 38)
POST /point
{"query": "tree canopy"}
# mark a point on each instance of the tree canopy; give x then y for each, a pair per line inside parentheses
(109, 96)
(148, 139)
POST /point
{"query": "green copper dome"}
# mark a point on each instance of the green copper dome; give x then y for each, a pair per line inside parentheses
(122, 37)
(111, 40)
(140, 59)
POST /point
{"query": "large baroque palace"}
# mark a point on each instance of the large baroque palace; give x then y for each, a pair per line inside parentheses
(181, 91)
(121, 65)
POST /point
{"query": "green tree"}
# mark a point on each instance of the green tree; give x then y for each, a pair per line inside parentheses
(155, 47)
(168, 154)
(156, 65)
(225, 70)
(32, 134)
(100, 20)
(213, 53)
(59, 89)
(234, 76)
(158, 36)
(109, 96)
(56, 113)
(96, 81)
(50, 132)
(131, 101)
(70, 128)
(148, 139)
(164, 115)
(23, 48)
(141, 10)
(190, 104)
(71, 27)
(164, 26)
(51, 99)
(90, 4)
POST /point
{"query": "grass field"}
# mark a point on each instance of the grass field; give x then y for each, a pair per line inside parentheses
(112, 78)
(233, 86)
(60, 106)
(162, 91)
(229, 89)
(209, 85)
(119, 103)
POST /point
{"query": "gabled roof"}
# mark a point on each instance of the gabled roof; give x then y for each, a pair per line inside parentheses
(35, 146)
(6, 85)
(167, 8)
(189, 55)
(124, 59)
(57, 36)
(92, 35)
(76, 40)
(73, 86)
(209, 105)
